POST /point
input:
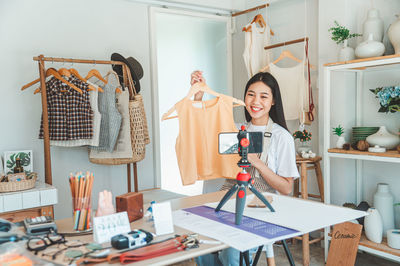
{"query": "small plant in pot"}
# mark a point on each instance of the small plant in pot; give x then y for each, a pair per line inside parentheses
(338, 131)
(341, 34)
(304, 137)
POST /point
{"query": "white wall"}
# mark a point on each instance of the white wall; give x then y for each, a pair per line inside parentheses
(352, 15)
(73, 30)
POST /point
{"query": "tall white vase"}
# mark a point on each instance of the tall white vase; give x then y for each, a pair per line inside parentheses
(346, 53)
(383, 202)
(394, 35)
(373, 24)
(373, 225)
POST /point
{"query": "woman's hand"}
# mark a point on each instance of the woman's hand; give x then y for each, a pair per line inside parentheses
(254, 160)
(197, 76)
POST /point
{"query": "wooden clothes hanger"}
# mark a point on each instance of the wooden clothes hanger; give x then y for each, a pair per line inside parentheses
(258, 19)
(198, 87)
(76, 74)
(49, 72)
(283, 55)
(95, 73)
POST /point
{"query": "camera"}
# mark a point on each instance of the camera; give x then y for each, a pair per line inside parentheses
(133, 239)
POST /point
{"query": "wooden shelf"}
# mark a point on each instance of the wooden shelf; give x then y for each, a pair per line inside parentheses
(362, 60)
(381, 247)
(391, 153)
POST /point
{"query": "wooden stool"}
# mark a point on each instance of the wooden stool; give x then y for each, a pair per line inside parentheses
(304, 165)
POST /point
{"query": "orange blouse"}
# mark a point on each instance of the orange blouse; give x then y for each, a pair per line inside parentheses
(196, 147)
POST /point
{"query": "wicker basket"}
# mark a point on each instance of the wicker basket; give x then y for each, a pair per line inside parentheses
(19, 185)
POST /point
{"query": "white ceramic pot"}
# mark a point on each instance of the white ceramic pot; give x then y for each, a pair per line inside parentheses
(346, 53)
(373, 225)
(393, 238)
(340, 142)
(373, 25)
(383, 202)
(383, 138)
(394, 35)
(370, 48)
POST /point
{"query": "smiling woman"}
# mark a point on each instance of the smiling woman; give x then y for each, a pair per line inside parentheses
(275, 168)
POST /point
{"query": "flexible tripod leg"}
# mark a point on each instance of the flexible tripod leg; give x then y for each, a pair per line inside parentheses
(288, 253)
(226, 197)
(240, 202)
(261, 197)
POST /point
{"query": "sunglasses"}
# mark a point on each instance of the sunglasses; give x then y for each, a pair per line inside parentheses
(39, 243)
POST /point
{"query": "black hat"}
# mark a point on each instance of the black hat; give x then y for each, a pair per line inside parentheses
(134, 67)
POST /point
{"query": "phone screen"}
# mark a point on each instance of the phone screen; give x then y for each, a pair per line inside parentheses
(228, 142)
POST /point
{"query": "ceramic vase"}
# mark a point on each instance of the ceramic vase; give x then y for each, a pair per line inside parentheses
(383, 202)
(394, 35)
(373, 225)
(370, 48)
(383, 138)
(346, 53)
(340, 142)
(304, 146)
(373, 25)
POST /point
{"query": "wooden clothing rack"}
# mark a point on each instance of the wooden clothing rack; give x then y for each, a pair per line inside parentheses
(286, 43)
(249, 10)
(46, 136)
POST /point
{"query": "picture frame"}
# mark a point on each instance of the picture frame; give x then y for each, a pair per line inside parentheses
(10, 157)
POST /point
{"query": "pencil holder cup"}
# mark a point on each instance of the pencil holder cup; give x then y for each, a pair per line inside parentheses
(82, 214)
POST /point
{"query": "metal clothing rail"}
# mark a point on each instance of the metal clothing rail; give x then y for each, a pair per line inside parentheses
(305, 39)
(46, 137)
(249, 10)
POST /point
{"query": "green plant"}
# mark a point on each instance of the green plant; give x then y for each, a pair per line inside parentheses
(339, 130)
(302, 135)
(341, 33)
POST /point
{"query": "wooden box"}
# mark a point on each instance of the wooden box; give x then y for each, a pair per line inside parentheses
(132, 203)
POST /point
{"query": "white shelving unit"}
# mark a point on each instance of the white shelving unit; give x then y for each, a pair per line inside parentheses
(360, 68)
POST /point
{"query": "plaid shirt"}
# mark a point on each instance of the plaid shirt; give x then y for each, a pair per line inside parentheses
(69, 112)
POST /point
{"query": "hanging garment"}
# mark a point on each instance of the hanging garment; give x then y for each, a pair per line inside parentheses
(94, 141)
(254, 55)
(278, 154)
(294, 90)
(69, 112)
(197, 143)
(110, 117)
(123, 147)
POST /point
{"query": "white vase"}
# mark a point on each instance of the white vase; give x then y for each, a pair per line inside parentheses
(373, 25)
(370, 48)
(383, 202)
(340, 142)
(383, 138)
(373, 225)
(346, 53)
(394, 35)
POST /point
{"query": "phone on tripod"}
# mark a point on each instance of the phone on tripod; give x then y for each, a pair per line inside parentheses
(228, 142)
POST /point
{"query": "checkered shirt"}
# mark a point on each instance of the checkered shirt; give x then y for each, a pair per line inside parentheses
(69, 112)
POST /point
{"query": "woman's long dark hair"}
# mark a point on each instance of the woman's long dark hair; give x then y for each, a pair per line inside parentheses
(276, 112)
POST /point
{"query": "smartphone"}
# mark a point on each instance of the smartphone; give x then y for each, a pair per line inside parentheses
(228, 142)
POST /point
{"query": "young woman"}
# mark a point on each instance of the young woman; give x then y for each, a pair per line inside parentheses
(275, 169)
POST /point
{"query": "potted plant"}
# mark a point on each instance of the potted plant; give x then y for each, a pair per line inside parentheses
(304, 137)
(341, 34)
(338, 131)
